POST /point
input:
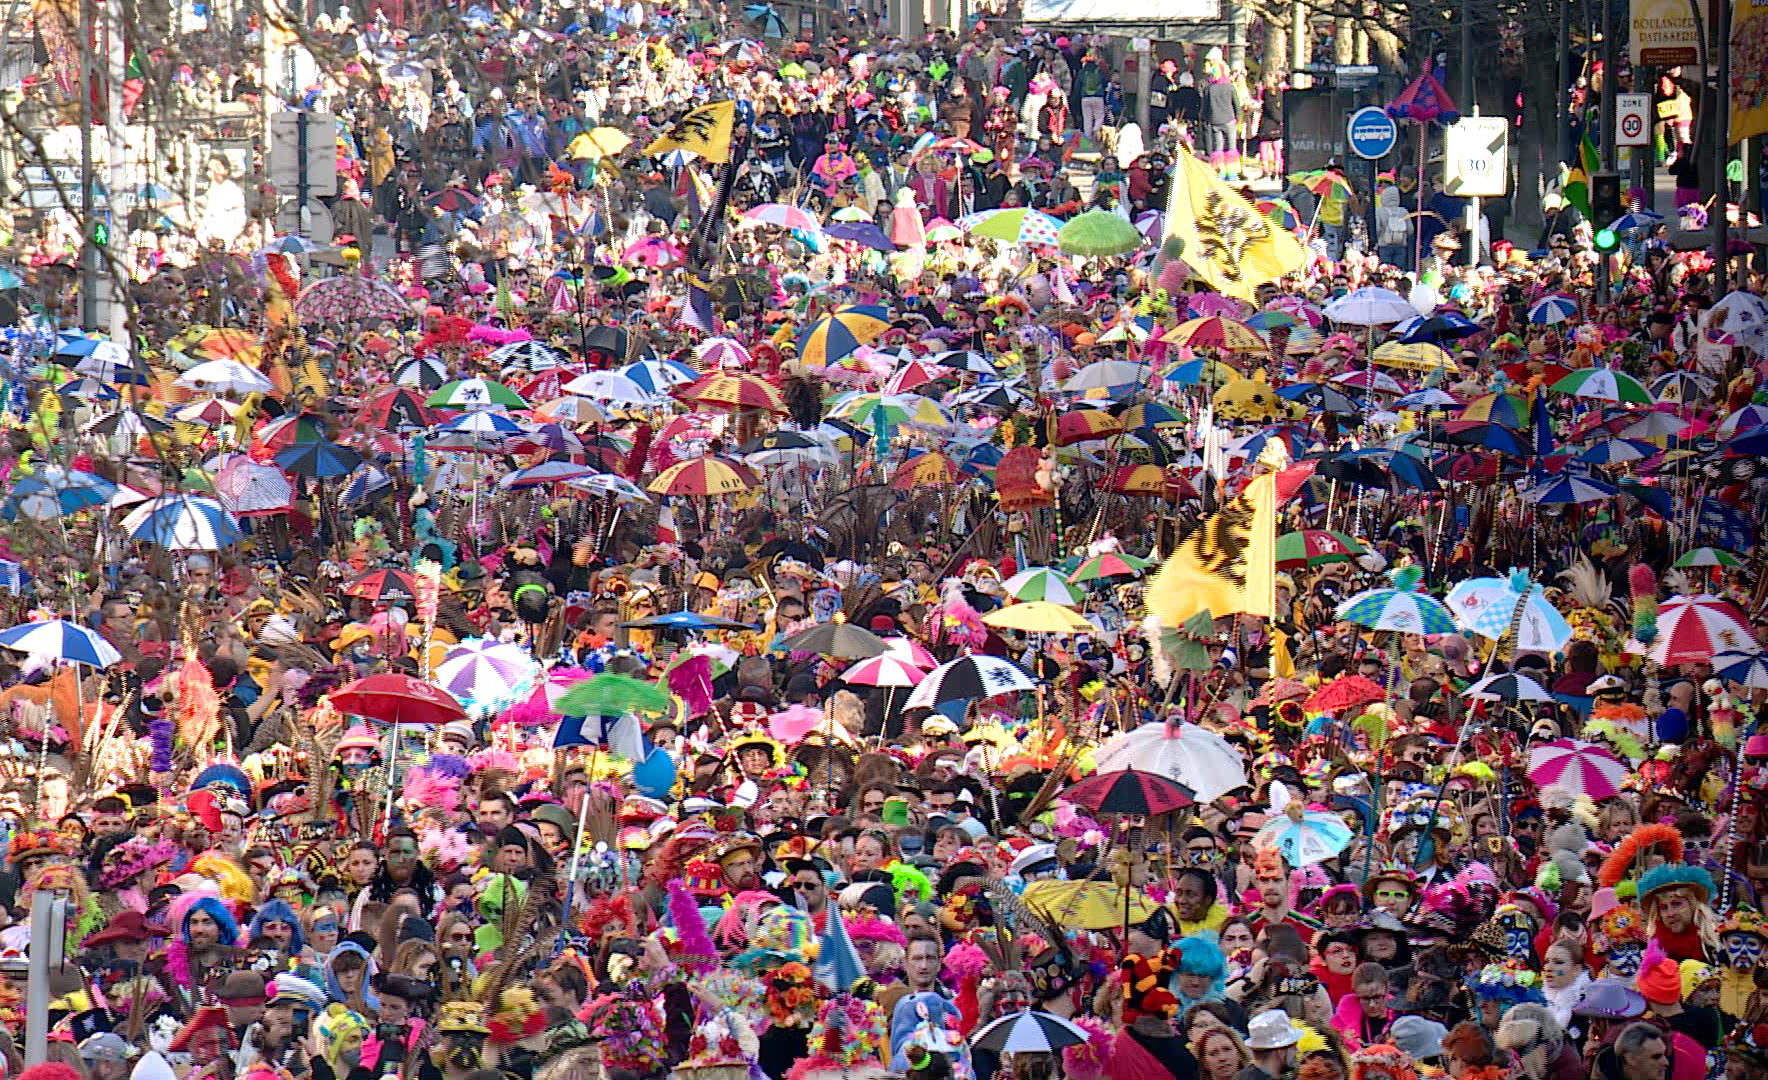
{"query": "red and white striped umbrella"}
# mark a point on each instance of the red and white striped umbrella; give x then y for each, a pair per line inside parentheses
(1580, 767)
(885, 670)
(1693, 629)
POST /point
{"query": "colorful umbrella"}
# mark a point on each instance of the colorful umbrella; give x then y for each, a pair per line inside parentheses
(1508, 409)
(1487, 606)
(887, 670)
(1581, 768)
(57, 639)
(1710, 556)
(1109, 564)
(1401, 609)
(734, 391)
(1552, 309)
(1419, 356)
(1315, 547)
(925, 470)
(1604, 384)
(474, 394)
(1031, 228)
(1215, 332)
(1040, 583)
(1508, 687)
(783, 215)
(705, 476)
(835, 335)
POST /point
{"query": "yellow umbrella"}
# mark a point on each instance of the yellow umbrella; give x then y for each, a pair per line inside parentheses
(1038, 617)
(1418, 356)
(1087, 905)
(599, 143)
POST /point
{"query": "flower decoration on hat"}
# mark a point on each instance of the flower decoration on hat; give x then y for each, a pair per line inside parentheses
(517, 1016)
(1507, 982)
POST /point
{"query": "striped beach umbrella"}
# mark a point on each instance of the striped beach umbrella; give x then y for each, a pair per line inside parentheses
(705, 476)
(1552, 309)
(839, 333)
(1216, 332)
(474, 394)
(1693, 629)
(1042, 583)
(183, 523)
(488, 676)
(734, 391)
(58, 639)
(1604, 384)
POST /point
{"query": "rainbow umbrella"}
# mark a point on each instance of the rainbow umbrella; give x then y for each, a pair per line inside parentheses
(840, 332)
(1200, 371)
(1509, 409)
(1322, 183)
(1278, 210)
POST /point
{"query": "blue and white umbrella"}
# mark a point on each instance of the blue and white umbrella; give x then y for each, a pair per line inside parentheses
(58, 639)
(1487, 605)
(183, 523)
(1304, 838)
(1616, 451)
(481, 424)
(1428, 398)
(658, 377)
(52, 491)
(1637, 219)
(364, 484)
(12, 577)
(1570, 489)
(1552, 309)
(614, 387)
(1401, 609)
(87, 389)
(546, 472)
(1747, 669)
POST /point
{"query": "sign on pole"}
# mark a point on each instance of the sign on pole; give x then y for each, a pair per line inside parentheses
(1476, 156)
(1371, 133)
(1663, 33)
(321, 138)
(1632, 119)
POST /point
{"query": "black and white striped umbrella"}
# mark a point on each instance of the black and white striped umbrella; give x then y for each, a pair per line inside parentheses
(1028, 1032)
(1508, 688)
(966, 679)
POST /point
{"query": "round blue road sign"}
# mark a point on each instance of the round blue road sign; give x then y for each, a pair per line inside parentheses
(1371, 133)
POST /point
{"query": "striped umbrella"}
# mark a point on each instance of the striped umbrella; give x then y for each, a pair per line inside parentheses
(1042, 583)
(1580, 767)
(1508, 409)
(1693, 629)
(614, 387)
(527, 355)
(1552, 309)
(783, 215)
(183, 523)
(1710, 556)
(474, 394)
(318, 460)
(1085, 425)
(58, 639)
(841, 332)
(734, 391)
(705, 476)
(1216, 332)
(1369, 379)
(1604, 384)
(1029, 1032)
(488, 676)
(658, 377)
(1570, 488)
(886, 670)
(925, 470)
(384, 586)
(1315, 547)
(965, 360)
(1747, 668)
(1617, 451)
(1508, 687)
(722, 352)
(421, 372)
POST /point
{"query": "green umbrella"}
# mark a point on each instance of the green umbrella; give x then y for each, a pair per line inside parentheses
(1710, 556)
(611, 695)
(1098, 232)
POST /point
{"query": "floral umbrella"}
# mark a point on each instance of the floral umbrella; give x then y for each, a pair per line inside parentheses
(351, 298)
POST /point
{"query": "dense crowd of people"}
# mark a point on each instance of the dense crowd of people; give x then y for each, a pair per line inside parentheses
(849, 558)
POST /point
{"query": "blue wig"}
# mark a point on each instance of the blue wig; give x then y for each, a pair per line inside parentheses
(279, 911)
(1202, 957)
(216, 910)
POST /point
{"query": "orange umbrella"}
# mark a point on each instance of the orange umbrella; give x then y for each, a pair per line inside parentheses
(734, 391)
(705, 476)
(925, 470)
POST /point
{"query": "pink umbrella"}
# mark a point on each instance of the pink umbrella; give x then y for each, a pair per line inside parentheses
(885, 670)
(1694, 629)
(651, 251)
(793, 724)
(1424, 101)
(1580, 767)
(1204, 305)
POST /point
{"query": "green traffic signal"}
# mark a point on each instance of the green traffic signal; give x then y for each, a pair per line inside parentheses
(1607, 241)
(101, 234)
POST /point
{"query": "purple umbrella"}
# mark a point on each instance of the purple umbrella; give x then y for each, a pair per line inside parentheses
(863, 233)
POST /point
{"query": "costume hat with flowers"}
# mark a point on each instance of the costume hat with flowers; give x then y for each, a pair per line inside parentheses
(37, 843)
(753, 738)
(723, 1047)
(1383, 1061)
(515, 1016)
(1506, 982)
(123, 863)
(849, 1040)
(461, 1018)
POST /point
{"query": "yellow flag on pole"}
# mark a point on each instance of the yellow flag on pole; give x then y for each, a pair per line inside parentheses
(1227, 565)
(705, 131)
(1228, 244)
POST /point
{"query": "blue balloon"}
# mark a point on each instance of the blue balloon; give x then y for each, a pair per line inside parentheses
(655, 775)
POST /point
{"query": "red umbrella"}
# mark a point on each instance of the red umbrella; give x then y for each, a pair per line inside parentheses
(384, 585)
(1344, 692)
(1130, 791)
(398, 699)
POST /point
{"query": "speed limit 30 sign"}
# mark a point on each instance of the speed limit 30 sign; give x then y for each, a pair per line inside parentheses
(1632, 119)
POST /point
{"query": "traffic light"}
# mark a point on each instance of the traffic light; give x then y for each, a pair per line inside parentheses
(100, 233)
(1606, 241)
(1605, 199)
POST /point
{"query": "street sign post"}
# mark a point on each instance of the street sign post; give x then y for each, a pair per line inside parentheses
(1476, 156)
(1371, 134)
(1632, 119)
(304, 154)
